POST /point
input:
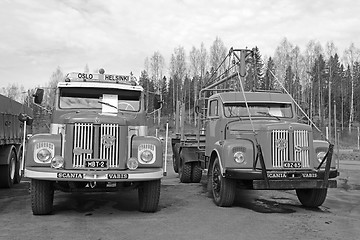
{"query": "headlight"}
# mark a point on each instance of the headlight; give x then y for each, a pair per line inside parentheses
(239, 157)
(132, 163)
(57, 162)
(320, 156)
(146, 156)
(146, 153)
(43, 155)
(44, 152)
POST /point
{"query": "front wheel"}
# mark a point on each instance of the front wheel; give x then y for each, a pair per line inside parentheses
(223, 189)
(311, 197)
(42, 197)
(149, 195)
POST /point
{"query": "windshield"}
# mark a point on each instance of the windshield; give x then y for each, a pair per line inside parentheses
(90, 98)
(279, 110)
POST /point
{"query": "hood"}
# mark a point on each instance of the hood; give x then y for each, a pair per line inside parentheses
(266, 125)
(94, 117)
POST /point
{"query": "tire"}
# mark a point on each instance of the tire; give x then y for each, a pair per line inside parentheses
(18, 172)
(185, 172)
(311, 197)
(175, 165)
(223, 189)
(196, 173)
(8, 171)
(42, 197)
(149, 195)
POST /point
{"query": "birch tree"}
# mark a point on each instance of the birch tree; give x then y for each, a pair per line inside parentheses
(351, 55)
(194, 57)
(157, 64)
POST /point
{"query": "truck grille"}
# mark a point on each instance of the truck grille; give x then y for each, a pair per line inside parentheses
(290, 147)
(86, 146)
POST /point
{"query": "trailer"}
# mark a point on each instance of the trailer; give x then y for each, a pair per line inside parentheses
(253, 140)
(15, 121)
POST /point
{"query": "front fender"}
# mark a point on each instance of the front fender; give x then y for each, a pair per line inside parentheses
(322, 146)
(227, 148)
(152, 143)
(41, 139)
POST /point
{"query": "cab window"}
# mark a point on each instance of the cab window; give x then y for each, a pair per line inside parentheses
(214, 108)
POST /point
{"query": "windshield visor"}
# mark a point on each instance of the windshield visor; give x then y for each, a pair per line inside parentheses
(97, 98)
(281, 110)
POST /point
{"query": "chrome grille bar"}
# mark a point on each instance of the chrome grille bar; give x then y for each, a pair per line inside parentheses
(109, 144)
(280, 149)
(83, 143)
(301, 147)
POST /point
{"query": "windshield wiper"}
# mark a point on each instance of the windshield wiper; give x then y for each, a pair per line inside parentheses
(108, 104)
(268, 114)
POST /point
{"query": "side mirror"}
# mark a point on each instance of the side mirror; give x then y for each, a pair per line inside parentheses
(38, 96)
(199, 105)
(157, 102)
(24, 117)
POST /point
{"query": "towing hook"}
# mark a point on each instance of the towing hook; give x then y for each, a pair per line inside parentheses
(92, 184)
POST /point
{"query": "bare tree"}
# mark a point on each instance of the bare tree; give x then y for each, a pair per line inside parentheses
(157, 64)
(313, 50)
(330, 51)
(178, 70)
(282, 58)
(204, 62)
(50, 90)
(13, 91)
(195, 72)
(351, 55)
(217, 55)
(86, 68)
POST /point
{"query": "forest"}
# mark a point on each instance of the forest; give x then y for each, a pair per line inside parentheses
(324, 82)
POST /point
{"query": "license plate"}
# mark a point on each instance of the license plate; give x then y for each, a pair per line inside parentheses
(96, 164)
(292, 164)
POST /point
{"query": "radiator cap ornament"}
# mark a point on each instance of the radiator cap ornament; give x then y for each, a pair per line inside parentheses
(108, 140)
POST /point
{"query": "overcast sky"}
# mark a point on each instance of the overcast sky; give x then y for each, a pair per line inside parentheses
(37, 36)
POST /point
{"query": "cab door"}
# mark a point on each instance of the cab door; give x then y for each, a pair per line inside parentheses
(212, 131)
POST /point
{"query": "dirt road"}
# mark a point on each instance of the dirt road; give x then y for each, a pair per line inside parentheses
(186, 212)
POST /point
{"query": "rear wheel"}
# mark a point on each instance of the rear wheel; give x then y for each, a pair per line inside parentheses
(175, 165)
(185, 172)
(311, 197)
(223, 189)
(196, 173)
(42, 197)
(149, 195)
(8, 171)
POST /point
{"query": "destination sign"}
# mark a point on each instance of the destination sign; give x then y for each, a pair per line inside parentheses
(95, 77)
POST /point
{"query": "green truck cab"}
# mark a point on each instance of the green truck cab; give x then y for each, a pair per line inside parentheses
(97, 142)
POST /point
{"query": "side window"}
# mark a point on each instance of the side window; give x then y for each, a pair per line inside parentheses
(214, 109)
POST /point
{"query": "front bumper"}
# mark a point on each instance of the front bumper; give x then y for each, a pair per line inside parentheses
(50, 174)
(285, 179)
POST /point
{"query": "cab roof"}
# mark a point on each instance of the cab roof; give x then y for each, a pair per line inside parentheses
(231, 97)
(99, 85)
